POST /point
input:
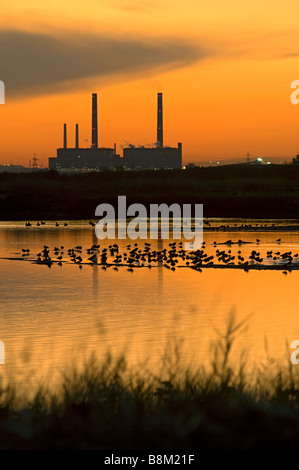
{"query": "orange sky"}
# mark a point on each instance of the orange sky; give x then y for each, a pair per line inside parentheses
(225, 70)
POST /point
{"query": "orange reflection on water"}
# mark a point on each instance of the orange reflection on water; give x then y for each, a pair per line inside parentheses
(55, 317)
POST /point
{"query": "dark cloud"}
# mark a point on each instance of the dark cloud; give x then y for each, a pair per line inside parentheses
(33, 64)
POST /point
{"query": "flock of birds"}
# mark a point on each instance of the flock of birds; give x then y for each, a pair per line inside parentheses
(133, 256)
(38, 224)
(57, 224)
(248, 227)
(207, 223)
(172, 258)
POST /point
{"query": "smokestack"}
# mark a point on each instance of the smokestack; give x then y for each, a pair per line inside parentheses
(77, 136)
(64, 136)
(160, 122)
(94, 129)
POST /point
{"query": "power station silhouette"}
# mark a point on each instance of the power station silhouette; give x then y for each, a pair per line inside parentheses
(95, 158)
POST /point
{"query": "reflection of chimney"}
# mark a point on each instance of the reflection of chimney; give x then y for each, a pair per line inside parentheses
(160, 122)
(94, 130)
(77, 136)
(64, 137)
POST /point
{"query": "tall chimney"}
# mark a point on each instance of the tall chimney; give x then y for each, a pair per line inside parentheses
(77, 136)
(64, 136)
(94, 129)
(160, 122)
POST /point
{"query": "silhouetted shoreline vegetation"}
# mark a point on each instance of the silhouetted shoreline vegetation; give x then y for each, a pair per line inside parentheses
(105, 406)
(270, 191)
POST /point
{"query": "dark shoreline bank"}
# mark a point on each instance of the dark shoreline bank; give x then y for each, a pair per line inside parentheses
(270, 191)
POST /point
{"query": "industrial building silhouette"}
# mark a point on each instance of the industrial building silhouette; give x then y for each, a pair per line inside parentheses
(97, 158)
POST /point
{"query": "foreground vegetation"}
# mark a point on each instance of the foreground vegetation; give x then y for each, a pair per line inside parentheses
(104, 406)
(269, 191)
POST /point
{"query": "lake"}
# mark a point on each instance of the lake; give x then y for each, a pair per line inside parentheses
(54, 316)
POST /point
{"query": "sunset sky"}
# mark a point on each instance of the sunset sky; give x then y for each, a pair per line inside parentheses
(224, 68)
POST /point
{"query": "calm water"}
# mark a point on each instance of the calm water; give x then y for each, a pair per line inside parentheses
(54, 317)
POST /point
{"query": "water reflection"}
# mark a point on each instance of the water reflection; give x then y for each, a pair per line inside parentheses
(53, 317)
